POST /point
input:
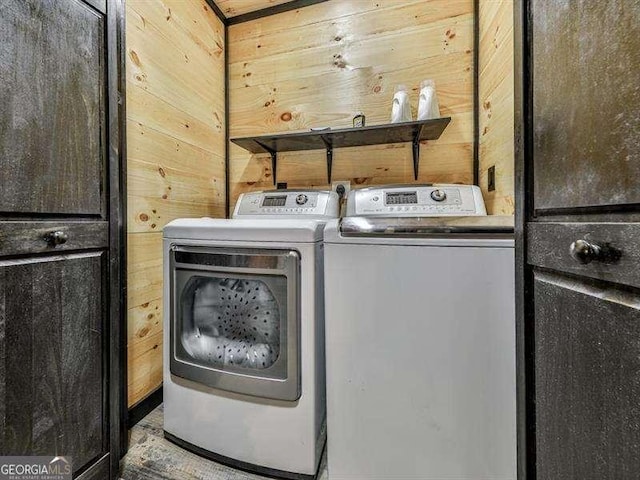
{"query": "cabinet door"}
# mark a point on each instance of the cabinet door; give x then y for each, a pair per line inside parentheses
(61, 222)
(52, 135)
(52, 386)
(586, 103)
(578, 237)
(587, 376)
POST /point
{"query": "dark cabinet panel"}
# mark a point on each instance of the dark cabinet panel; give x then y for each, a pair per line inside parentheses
(587, 346)
(98, 471)
(578, 183)
(61, 232)
(52, 317)
(586, 103)
(18, 238)
(52, 120)
(549, 246)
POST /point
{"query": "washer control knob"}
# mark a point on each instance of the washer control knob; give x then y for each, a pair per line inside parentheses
(301, 199)
(438, 195)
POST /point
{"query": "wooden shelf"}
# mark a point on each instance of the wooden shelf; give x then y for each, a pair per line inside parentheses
(413, 132)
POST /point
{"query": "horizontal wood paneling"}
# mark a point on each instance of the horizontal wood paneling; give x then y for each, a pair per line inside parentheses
(335, 12)
(296, 104)
(267, 54)
(175, 148)
(144, 315)
(144, 328)
(496, 84)
(318, 65)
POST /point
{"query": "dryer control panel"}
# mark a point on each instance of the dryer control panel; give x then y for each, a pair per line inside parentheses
(288, 203)
(437, 200)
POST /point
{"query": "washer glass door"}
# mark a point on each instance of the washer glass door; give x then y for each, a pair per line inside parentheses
(235, 319)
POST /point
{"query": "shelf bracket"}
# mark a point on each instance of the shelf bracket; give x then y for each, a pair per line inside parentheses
(274, 159)
(416, 152)
(329, 147)
(274, 165)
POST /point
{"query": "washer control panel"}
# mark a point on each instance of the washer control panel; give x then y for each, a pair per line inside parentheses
(288, 203)
(435, 200)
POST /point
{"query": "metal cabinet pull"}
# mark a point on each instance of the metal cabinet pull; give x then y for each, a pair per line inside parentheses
(585, 252)
(56, 238)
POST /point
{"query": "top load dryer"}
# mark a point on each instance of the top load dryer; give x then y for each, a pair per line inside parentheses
(420, 337)
(244, 365)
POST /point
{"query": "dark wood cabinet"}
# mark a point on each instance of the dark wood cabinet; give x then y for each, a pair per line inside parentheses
(587, 377)
(61, 232)
(578, 238)
(586, 104)
(52, 128)
(54, 331)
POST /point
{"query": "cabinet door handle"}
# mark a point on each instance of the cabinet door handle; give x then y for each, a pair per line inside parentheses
(585, 252)
(56, 238)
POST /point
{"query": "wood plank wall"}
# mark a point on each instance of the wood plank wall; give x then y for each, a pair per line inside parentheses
(495, 88)
(318, 65)
(176, 149)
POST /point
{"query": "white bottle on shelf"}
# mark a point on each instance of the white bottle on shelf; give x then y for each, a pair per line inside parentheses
(400, 108)
(428, 103)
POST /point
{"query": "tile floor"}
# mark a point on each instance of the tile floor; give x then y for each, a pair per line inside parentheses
(152, 457)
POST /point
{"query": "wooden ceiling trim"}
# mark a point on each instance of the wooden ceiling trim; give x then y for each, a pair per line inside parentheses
(232, 12)
(235, 8)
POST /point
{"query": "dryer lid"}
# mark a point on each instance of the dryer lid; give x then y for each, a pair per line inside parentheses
(249, 230)
(426, 226)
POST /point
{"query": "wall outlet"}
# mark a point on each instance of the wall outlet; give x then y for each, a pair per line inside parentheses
(338, 185)
(491, 178)
(281, 186)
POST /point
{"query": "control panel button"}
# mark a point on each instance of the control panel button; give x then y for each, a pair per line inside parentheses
(438, 195)
(301, 199)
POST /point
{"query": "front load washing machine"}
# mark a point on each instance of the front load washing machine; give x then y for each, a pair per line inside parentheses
(244, 371)
(420, 337)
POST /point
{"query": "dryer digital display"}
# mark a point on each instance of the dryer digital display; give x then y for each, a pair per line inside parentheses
(278, 201)
(401, 198)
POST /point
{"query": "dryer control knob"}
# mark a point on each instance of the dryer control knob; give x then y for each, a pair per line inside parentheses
(301, 199)
(438, 195)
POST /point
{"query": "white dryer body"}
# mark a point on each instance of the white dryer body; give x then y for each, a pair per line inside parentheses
(244, 363)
